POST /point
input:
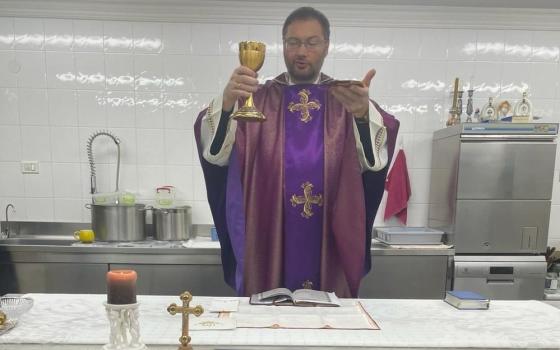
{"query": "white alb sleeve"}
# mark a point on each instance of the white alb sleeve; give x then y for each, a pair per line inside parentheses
(208, 129)
(378, 133)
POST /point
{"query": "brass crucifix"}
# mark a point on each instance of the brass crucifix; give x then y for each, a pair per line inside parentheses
(185, 310)
(307, 199)
(304, 105)
(307, 284)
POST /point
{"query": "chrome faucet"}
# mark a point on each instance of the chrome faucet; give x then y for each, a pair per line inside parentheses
(5, 233)
(92, 162)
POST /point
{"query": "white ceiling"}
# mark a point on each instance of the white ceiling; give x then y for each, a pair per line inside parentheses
(506, 4)
(512, 14)
(509, 4)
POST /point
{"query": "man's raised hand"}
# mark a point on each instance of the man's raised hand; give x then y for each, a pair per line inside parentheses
(241, 84)
(355, 98)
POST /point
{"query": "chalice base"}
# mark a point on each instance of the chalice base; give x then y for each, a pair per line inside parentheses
(249, 114)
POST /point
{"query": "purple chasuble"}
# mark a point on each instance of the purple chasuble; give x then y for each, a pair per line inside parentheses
(235, 219)
(274, 231)
(303, 107)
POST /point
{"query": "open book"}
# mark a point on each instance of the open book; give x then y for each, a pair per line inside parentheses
(300, 297)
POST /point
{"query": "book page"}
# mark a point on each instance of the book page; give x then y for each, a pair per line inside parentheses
(309, 295)
(347, 307)
(302, 296)
(275, 293)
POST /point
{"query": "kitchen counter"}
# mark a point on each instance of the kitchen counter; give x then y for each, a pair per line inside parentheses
(196, 247)
(37, 264)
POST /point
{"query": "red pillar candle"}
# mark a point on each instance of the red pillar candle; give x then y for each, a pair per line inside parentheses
(121, 287)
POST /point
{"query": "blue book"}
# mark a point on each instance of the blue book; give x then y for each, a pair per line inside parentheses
(466, 300)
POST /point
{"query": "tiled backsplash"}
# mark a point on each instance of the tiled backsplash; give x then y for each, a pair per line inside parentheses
(60, 80)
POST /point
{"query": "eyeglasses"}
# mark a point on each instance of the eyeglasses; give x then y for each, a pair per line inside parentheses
(313, 43)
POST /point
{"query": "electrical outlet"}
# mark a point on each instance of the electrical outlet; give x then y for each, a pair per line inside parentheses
(30, 167)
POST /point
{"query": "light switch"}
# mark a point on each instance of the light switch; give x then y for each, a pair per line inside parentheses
(29, 167)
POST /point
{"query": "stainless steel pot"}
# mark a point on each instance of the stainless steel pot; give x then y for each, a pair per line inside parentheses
(118, 223)
(172, 224)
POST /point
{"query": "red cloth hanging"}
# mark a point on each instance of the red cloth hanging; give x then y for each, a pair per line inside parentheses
(398, 189)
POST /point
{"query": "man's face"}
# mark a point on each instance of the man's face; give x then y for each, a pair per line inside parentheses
(305, 49)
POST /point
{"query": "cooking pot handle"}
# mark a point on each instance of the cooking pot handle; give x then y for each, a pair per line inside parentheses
(163, 188)
(149, 207)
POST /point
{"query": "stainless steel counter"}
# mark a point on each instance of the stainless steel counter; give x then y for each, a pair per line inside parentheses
(50, 237)
(56, 264)
(68, 247)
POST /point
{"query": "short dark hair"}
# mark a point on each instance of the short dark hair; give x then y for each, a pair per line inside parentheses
(306, 13)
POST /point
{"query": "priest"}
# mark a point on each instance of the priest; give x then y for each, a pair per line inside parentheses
(294, 198)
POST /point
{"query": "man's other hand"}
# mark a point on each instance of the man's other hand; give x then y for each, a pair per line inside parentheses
(355, 98)
(242, 83)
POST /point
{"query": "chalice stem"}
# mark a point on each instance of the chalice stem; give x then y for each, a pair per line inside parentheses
(249, 102)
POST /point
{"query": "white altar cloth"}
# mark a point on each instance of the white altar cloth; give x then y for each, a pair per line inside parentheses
(64, 319)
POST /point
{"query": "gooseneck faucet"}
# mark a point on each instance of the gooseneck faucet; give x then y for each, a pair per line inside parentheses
(6, 231)
(92, 162)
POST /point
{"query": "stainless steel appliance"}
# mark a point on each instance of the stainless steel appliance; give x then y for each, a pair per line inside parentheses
(491, 186)
(501, 277)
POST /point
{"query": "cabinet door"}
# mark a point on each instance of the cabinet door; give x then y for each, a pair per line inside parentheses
(170, 279)
(406, 277)
(501, 226)
(52, 278)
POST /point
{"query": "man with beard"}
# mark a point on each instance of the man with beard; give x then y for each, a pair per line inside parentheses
(294, 198)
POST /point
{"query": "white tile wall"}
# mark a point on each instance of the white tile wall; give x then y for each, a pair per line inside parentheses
(36, 143)
(60, 80)
(59, 35)
(88, 36)
(7, 75)
(32, 107)
(10, 139)
(7, 30)
(30, 68)
(61, 71)
(118, 37)
(29, 34)
(176, 38)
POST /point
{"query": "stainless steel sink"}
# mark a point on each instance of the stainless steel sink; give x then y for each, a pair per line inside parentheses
(39, 240)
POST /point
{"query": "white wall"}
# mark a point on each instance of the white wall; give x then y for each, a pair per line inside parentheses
(61, 79)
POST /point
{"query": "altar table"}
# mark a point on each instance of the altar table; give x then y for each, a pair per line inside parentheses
(75, 321)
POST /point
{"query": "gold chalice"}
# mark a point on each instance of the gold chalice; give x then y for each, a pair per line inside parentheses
(251, 55)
